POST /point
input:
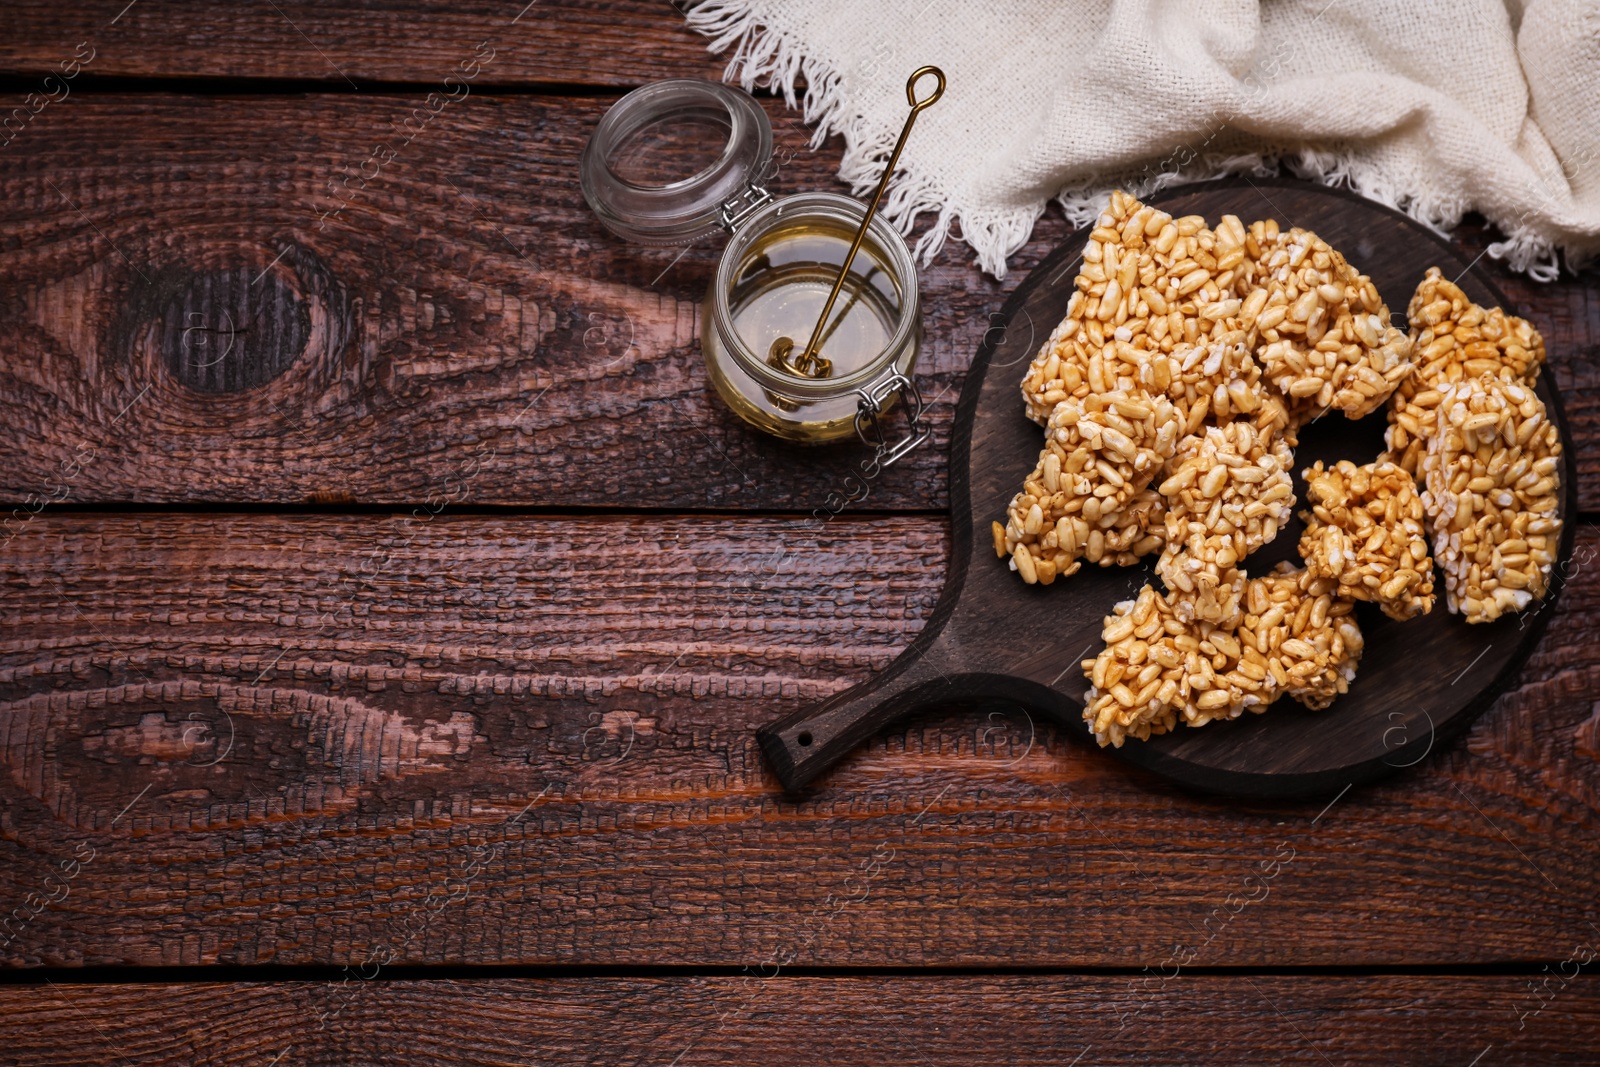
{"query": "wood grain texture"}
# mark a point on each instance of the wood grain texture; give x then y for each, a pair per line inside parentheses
(487, 740)
(460, 299)
(1145, 1020)
(614, 44)
(463, 301)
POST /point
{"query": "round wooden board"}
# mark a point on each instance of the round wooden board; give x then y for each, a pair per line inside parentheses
(994, 637)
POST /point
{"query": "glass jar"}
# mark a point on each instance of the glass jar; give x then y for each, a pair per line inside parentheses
(675, 161)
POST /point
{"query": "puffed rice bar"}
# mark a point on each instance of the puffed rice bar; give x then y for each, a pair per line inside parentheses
(1157, 670)
(1138, 682)
(1455, 340)
(1100, 453)
(1310, 639)
(1155, 307)
(1492, 472)
(1365, 536)
(1324, 335)
(1228, 492)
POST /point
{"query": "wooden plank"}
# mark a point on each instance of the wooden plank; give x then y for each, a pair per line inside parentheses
(249, 739)
(614, 44)
(1149, 1020)
(216, 309)
(463, 310)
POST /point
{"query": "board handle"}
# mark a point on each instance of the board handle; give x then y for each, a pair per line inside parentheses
(801, 746)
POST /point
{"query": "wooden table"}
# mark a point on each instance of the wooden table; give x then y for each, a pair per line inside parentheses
(389, 610)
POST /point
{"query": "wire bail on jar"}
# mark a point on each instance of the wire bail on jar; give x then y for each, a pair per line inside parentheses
(750, 200)
(870, 410)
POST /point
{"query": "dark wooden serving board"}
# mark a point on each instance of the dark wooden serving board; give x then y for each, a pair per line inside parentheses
(992, 637)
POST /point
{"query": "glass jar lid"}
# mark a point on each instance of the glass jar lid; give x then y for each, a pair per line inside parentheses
(677, 160)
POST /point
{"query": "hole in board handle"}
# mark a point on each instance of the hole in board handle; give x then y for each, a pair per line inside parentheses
(804, 738)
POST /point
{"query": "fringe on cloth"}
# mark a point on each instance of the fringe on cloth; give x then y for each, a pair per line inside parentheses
(762, 56)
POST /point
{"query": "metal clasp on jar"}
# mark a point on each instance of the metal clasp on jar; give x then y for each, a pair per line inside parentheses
(741, 207)
(874, 399)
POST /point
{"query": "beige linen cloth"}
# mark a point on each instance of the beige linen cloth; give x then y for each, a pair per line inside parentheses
(1436, 107)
